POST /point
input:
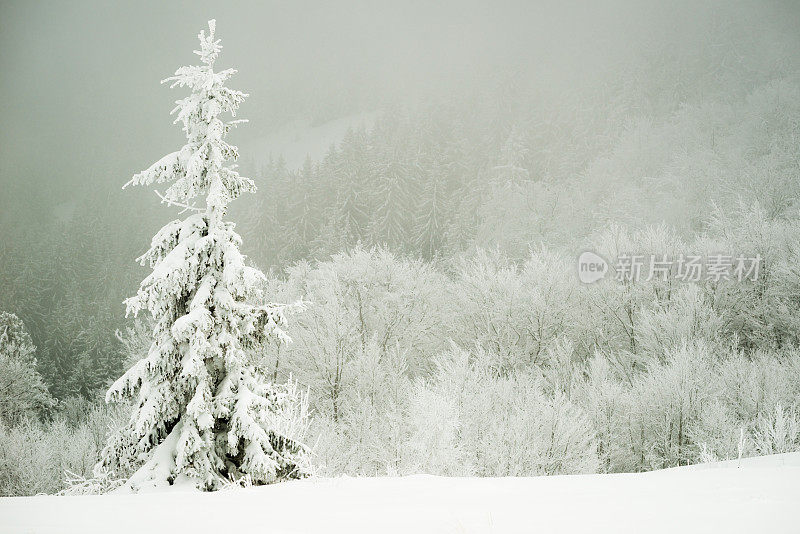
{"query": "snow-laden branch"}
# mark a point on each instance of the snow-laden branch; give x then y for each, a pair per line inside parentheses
(168, 202)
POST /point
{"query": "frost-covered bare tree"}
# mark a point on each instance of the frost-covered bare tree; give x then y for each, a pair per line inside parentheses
(23, 393)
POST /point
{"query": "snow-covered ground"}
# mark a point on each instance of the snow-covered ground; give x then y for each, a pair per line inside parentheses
(760, 496)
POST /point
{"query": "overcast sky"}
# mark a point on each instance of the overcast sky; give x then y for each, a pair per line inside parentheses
(79, 81)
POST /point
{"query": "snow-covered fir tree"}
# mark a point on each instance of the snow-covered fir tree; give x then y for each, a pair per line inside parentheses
(393, 201)
(351, 171)
(511, 171)
(432, 210)
(201, 410)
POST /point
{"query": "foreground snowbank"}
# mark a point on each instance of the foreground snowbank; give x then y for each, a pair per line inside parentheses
(760, 495)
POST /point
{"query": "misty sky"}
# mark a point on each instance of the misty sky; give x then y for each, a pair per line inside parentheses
(79, 83)
(79, 80)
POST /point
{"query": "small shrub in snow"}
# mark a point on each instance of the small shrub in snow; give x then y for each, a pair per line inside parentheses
(101, 481)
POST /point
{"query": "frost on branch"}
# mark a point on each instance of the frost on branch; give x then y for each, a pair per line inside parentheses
(202, 412)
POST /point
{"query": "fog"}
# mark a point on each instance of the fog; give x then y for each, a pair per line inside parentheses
(81, 100)
(450, 187)
(80, 89)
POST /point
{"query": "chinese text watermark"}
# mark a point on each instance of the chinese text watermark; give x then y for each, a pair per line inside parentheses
(683, 267)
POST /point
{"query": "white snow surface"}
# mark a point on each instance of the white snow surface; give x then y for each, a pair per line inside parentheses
(758, 495)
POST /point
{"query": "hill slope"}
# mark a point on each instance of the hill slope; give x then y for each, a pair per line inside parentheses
(759, 496)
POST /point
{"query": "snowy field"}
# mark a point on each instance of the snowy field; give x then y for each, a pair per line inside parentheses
(762, 495)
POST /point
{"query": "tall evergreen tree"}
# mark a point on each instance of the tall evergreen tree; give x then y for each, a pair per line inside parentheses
(206, 410)
(351, 170)
(305, 209)
(393, 200)
(510, 170)
(433, 211)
